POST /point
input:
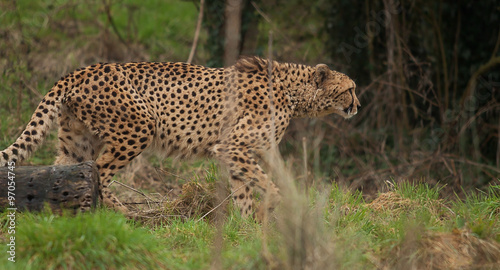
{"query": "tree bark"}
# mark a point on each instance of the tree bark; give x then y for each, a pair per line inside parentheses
(233, 31)
(71, 187)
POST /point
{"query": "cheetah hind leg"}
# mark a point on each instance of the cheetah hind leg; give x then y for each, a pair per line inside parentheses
(116, 156)
(108, 165)
(77, 144)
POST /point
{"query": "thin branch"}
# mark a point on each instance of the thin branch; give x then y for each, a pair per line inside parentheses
(227, 198)
(107, 8)
(139, 203)
(161, 216)
(475, 116)
(173, 174)
(131, 188)
(497, 46)
(440, 42)
(411, 91)
(37, 94)
(304, 152)
(196, 33)
(261, 13)
(274, 28)
(470, 162)
(471, 85)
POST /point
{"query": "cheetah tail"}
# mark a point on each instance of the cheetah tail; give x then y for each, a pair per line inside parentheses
(36, 130)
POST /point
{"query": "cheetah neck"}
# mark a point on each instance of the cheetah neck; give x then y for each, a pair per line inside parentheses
(296, 81)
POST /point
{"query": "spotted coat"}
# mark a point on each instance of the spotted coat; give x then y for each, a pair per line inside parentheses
(111, 113)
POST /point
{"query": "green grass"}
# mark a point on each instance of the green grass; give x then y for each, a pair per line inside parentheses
(483, 208)
(99, 240)
(348, 234)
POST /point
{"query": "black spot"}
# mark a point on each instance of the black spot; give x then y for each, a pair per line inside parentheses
(107, 69)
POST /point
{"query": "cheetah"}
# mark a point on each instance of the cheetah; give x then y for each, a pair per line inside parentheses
(111, 113)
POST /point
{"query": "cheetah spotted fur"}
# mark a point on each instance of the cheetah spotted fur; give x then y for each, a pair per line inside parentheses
(110, 113)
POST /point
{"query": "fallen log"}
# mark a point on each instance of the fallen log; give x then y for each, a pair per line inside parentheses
(72, 187)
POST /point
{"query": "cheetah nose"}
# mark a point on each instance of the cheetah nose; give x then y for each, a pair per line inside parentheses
(359, 107)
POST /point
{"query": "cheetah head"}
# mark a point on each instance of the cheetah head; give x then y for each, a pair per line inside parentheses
(334, 93)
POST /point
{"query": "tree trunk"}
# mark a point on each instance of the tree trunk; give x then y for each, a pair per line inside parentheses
(72, 187)
(233, 31)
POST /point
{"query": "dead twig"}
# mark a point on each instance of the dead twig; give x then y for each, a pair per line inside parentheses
(173, 174)
(471, 85)
(131, 188)
(217, 206)
(32, 89)
(107, 9)
(196, 33)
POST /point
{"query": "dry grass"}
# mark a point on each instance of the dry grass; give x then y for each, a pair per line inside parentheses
(427, 249)
(196, 199)
(166, 194)
(396, 203)
(459, 249)
(392, 201)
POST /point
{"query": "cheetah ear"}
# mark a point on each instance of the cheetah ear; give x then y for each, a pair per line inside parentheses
(320, 74)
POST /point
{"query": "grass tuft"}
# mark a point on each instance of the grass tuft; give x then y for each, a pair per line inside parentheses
(99, 240)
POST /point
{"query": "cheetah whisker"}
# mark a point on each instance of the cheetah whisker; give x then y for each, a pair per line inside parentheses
(315, 93)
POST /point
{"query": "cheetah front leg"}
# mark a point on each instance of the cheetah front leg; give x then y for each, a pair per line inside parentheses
(246, 175)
